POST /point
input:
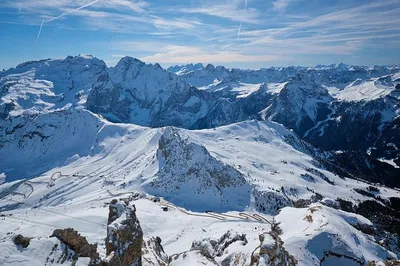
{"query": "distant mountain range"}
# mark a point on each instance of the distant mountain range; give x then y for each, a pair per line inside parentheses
(284, 142)
(351, 110)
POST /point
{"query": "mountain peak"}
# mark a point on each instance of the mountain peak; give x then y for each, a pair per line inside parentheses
(210, 67)
(85, 56)
(128, 60)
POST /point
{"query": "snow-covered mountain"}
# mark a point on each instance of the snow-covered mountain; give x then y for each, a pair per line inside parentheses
(185, 68)
(251, 167)
(134, 92)
(47, 85)
(337, 107)
(219, 163)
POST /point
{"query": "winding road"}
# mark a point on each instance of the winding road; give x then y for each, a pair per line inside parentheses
(220, 216)
(208, 214)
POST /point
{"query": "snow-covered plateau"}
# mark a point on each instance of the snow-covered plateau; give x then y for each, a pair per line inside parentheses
(194, 165)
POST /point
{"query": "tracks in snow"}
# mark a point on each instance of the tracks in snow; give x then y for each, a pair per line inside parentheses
(220, 216)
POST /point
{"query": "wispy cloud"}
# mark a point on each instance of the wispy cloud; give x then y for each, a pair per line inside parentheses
(187, 54)
(218, 30)
(43, 6)
(228, 10)
(347, 28)
(163, 23)
(170, 54)
(280, 5)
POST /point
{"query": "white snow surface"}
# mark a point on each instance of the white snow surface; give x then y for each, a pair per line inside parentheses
(48, 85)
(61, 164)
(74, 182)
(360, 90)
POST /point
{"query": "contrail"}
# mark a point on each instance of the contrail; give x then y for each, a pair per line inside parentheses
(40, 30)
(72, 11)
(240, 27)
(63, 15)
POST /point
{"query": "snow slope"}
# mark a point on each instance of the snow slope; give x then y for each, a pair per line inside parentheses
(262, 167)
(361, 90)
(61, 164)
(42, 86)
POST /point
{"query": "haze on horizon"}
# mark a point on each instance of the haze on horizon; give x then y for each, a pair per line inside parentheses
(235, 33)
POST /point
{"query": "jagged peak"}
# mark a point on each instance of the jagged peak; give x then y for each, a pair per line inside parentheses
(86, 56)
(33, 62)
(128, 60)
(210, 67)
(131, 62)
(80, 57)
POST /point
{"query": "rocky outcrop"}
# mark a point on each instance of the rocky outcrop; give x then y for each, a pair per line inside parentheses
(216, 247)
(153, 252)
(124, 235)
(125, 245)
(22, 240)
(77, 243)
(187, 166)
(384, 263)
(214, 251)
(272, 251)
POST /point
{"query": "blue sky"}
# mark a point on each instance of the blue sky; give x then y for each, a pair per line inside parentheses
(234, 33)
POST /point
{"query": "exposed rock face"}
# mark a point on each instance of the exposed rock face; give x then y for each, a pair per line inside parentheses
(228, 108)
(272, 251)
(384, 263)
(21, 240)
(77, 243)
(192, 257)
(111, 260)
(212, 251)
(153, 252)
(300, 104)
(124, 234)
(135, 92)
(270, 201)
(216, 247)
(186, 166)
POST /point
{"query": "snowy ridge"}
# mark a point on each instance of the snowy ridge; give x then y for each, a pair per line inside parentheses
(223, 175)
(42, 86)
(189, 176)
(331, 239)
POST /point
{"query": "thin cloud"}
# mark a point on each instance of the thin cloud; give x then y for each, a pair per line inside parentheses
(228, 10)
(196, 55)
(347, 25)
(181, 54)
(280, 5)
(239, 30)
